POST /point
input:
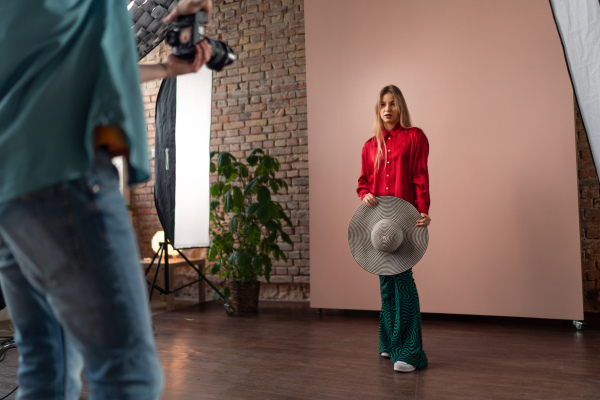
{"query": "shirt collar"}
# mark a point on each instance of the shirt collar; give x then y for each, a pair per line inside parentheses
(394, 132)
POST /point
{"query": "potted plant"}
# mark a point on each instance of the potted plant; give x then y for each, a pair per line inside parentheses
(246, 224)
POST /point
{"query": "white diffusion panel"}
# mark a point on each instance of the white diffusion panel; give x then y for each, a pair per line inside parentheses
(192, 146)
(578, 23)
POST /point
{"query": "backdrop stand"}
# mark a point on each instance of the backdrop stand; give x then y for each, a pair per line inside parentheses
(163, 254)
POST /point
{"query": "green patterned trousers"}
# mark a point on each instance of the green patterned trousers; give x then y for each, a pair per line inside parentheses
(400, 320)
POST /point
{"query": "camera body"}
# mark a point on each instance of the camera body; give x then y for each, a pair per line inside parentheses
(187, 31)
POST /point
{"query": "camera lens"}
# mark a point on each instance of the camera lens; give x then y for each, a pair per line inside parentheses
(187, 31)
(222, 55)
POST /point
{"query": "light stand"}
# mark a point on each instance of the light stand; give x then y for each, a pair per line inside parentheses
(163, 254)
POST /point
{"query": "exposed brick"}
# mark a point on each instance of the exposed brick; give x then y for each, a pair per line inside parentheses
(590, 193)
(256, 122)
(589, 206)
(593, 276)
(281, 279)
(281, 271)
(589, 285)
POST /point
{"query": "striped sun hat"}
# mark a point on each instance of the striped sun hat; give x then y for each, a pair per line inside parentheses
(384, 239)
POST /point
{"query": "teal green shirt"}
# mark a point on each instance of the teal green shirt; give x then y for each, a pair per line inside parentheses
(67, 66)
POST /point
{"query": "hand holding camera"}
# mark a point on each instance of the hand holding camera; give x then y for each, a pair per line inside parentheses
(175, 66)
(191, 48)
(188, 31)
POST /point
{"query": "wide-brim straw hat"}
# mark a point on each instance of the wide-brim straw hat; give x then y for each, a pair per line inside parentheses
(384, 239)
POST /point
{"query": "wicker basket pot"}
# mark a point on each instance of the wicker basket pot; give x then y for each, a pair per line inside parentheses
(244, 297)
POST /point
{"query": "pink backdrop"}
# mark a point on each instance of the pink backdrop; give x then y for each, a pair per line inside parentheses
(487, 82)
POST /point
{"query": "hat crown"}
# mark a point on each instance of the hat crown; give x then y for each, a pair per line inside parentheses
(393, 246)
(387, 236)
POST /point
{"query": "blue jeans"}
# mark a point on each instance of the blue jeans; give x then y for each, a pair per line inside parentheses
(71, 277)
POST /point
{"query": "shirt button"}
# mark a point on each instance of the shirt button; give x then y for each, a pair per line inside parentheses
(387, 188)
(388, 162)
(388, 175)
(388, 151)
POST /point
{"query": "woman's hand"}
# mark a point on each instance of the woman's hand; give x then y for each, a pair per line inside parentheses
(370, 200)
(423, 222)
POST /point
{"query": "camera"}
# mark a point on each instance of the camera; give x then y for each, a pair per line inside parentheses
(187, 31)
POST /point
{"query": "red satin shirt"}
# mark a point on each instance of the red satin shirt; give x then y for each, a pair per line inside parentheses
(404, 174)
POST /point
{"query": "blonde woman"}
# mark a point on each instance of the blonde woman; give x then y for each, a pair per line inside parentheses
(394, 163)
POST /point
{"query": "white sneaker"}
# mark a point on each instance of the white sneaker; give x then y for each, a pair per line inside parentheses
(385, 354)
(401, 366)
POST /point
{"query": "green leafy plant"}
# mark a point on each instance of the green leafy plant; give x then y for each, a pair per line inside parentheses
(246, 223)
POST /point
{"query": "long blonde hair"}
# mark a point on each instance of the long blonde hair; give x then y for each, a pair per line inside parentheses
(405, 121)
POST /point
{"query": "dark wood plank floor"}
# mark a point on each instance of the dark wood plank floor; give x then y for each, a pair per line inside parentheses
(287, 351)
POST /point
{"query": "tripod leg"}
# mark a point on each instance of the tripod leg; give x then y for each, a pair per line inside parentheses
(228, 309)
(168, 295)
(150, 265)
(160, 253)
(190, 263)
(202, 276)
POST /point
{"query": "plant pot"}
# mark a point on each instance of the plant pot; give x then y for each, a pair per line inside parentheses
(244, 297)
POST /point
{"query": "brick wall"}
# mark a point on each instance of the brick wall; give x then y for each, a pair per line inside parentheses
(589, 219)
(258, 102)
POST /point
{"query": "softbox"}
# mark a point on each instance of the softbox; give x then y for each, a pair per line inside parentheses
(578, 24)
(148, 28)
(182, 161)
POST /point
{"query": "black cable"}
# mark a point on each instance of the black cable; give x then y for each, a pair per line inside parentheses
(2, 398)
(2, 359)
(4, 340)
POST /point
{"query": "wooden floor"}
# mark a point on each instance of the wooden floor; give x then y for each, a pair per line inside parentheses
(287, 351)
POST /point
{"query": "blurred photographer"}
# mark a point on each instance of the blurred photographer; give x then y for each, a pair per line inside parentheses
(69, 264)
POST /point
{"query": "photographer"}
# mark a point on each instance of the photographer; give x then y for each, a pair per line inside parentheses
(69, 263)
